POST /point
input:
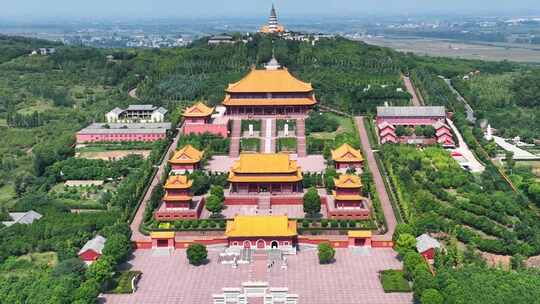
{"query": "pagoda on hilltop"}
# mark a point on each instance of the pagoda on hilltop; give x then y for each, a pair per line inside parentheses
(273, 25)
(269, 91)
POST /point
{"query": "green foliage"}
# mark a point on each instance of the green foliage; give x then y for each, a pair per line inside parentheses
(405, 242)
(402, 228)
(394, 281)
(325, 253)
(312, 202)
(431, 296)
(197, 254)
(117, 248)
(101, 270)
(214, 204)
(321, 122)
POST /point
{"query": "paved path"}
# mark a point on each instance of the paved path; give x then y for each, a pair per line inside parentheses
(463, 149)
(268, 136)
(469, 111)
(135, 224)
(377, 179)
(412, 90)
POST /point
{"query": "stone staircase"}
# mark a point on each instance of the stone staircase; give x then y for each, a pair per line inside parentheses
(264, 204)
(234, 149)
(301, 137)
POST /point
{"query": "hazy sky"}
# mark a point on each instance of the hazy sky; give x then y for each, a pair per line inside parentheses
(256, 8)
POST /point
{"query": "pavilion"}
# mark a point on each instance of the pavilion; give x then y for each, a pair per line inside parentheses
(265, 173)
(348, 203)
(187, 159)
(262, 232)
(178, 201)
(346, 157)
(198, 119)
(270, 91)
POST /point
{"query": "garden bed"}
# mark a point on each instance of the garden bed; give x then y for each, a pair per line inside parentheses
(122, 282)
(250, 145)
(394, 281)
(287, 144)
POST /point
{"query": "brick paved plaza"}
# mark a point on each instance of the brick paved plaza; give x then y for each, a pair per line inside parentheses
(352, 279)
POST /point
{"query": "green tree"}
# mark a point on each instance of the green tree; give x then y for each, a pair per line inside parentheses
(214, 205)
(431, 296)
(326, 253)
(312, 202)
(405, 242)
(197, 254)
(401, 228)
(101, 270)
(87, 293)
(410, 261)
(534, 192)
(117, 247)
(218, 192)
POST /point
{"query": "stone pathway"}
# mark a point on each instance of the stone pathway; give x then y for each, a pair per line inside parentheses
(234, 148)
(137, 220)
(301, 137)
(377, 179)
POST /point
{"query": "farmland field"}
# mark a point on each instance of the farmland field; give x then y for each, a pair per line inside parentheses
(455, 49)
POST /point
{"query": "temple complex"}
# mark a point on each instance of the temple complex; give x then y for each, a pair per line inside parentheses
(178, 201)
(199, 119)
(186, 159)
(265, 173)
(273, 25)
(346, 157)
(269, 91)
(414, 125)
(348, 203)
(262, 232)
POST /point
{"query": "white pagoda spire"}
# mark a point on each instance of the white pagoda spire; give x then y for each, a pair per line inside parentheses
(273, 24)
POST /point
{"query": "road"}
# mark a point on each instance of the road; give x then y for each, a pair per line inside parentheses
(377, 179)
(412, 90)
(474, 165)
(137, 220)
(468, 109)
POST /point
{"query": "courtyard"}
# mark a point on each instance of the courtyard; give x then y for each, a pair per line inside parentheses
(352, 279)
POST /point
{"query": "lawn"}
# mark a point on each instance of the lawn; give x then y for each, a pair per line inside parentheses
(7, 193)
(3, 122)
(250, 145)
(287, 144)
(81, 197)
(346, 125)
(121, 282)
(256, 125)
(394, 281)
(23, 265)
(38, 106)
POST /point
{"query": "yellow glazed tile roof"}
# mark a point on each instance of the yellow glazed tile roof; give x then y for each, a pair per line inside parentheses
(269, 81)
(359, 233)
(261, 226)
(347, 197)
(187, 155)
(265, 163)
(198, 110)
(178, 182)
(348, 181)
(269, 102)
(346, 153)
(162, 234)
(177, 198)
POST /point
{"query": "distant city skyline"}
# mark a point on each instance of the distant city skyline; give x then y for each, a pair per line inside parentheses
(129, 9)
